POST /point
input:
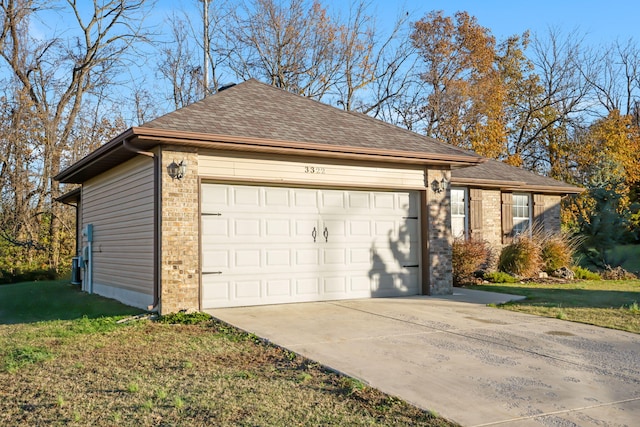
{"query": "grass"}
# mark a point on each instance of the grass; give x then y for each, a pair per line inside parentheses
(607, 303)
(53, 300)
(92, 370)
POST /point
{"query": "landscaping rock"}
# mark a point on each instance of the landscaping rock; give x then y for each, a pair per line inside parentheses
(564, 273)
(617, 273)
(543, 275)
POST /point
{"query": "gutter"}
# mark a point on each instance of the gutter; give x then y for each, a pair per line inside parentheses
(149, 137)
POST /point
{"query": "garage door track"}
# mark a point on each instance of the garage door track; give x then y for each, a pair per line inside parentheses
(470, 363)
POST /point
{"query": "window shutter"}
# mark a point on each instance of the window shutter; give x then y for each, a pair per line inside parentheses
(538, 211)
(475, 214)
(507, 218)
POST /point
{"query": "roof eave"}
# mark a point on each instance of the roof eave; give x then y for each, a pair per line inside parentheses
(148, 137)
(251, 144)
(516, 186)
(67, 174)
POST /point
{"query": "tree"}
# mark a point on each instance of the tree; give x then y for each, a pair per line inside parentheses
(291, 45)
(53, 81)
(179, 67)
(465, 98)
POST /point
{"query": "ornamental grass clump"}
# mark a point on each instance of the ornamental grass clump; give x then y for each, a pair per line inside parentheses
(522, 257)
(468, 257)
(556, 252)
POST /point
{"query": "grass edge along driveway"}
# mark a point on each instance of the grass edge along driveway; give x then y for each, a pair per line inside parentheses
(611, 304)
(65, 360)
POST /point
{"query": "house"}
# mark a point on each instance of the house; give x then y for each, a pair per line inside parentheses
(258, 196)
(494, 201)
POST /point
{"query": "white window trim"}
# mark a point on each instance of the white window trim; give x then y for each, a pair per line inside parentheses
(516, 219)
(465, 216)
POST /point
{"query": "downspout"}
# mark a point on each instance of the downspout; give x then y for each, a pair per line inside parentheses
(156, 220)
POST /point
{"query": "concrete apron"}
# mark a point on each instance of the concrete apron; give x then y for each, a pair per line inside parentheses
(467, 362)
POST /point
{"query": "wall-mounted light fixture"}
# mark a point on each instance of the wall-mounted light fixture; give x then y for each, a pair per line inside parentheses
(177, 170)
(439, 186)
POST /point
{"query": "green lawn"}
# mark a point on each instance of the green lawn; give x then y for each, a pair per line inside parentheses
(87, 369)
(53, 300)
(607, 303)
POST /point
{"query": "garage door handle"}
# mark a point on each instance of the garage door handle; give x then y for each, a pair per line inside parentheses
(325, 233)
(212, 272)
(314, 233)
(410, 266)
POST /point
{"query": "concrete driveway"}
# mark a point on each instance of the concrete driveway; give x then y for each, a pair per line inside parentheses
(470, 363)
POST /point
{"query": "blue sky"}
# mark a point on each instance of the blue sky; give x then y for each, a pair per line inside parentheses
(601, 21)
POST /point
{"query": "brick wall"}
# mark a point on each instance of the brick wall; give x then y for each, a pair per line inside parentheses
(492, 218)
(180, 278)
(439, 235)
(552, 214)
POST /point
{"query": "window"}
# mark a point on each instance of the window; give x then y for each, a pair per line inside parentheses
(459, 213)
(521, 213)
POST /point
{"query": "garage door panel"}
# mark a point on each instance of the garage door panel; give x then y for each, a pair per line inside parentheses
(246, 197)
(213, 259)
(309, 287)
(244, 258)
(247, 289)
(215, 226)
(360, 256)
(247, 228)
(334, 285)
(214, 198)
(275, 198)
(262, 245)
(277, 227)
(361, 285)
(278, 258)
(278, 288)
(357, 202)
(305, 200)
(215, 292)
(384, 201)
(334, 256)
(307, 257)
(332, 202)
(305, 229)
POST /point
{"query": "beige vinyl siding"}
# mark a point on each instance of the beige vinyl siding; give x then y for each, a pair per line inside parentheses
(230, 166)
(120, 205)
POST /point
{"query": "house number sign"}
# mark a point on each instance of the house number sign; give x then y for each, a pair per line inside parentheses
(314, 169)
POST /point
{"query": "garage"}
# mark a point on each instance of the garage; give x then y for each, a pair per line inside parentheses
(272, 245)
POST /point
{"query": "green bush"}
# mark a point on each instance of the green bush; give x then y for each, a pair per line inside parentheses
(521, 258)
(35, 275)
(556, 252)
(585, 274)
(469, 256)
(499, 277)
(184, 318)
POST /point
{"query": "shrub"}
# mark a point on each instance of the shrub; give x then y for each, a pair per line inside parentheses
(468, 256)
(521, 258)
(184, 318)
(556, 252)
(585, 274)
(499, 277)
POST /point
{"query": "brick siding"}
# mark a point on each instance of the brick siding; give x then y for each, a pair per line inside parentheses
(180, 275)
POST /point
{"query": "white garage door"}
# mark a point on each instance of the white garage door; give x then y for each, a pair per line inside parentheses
(271, 245)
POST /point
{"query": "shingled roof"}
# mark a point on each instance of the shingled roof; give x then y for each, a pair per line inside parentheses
(257, 110)
(256, 117)
(494, 173)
